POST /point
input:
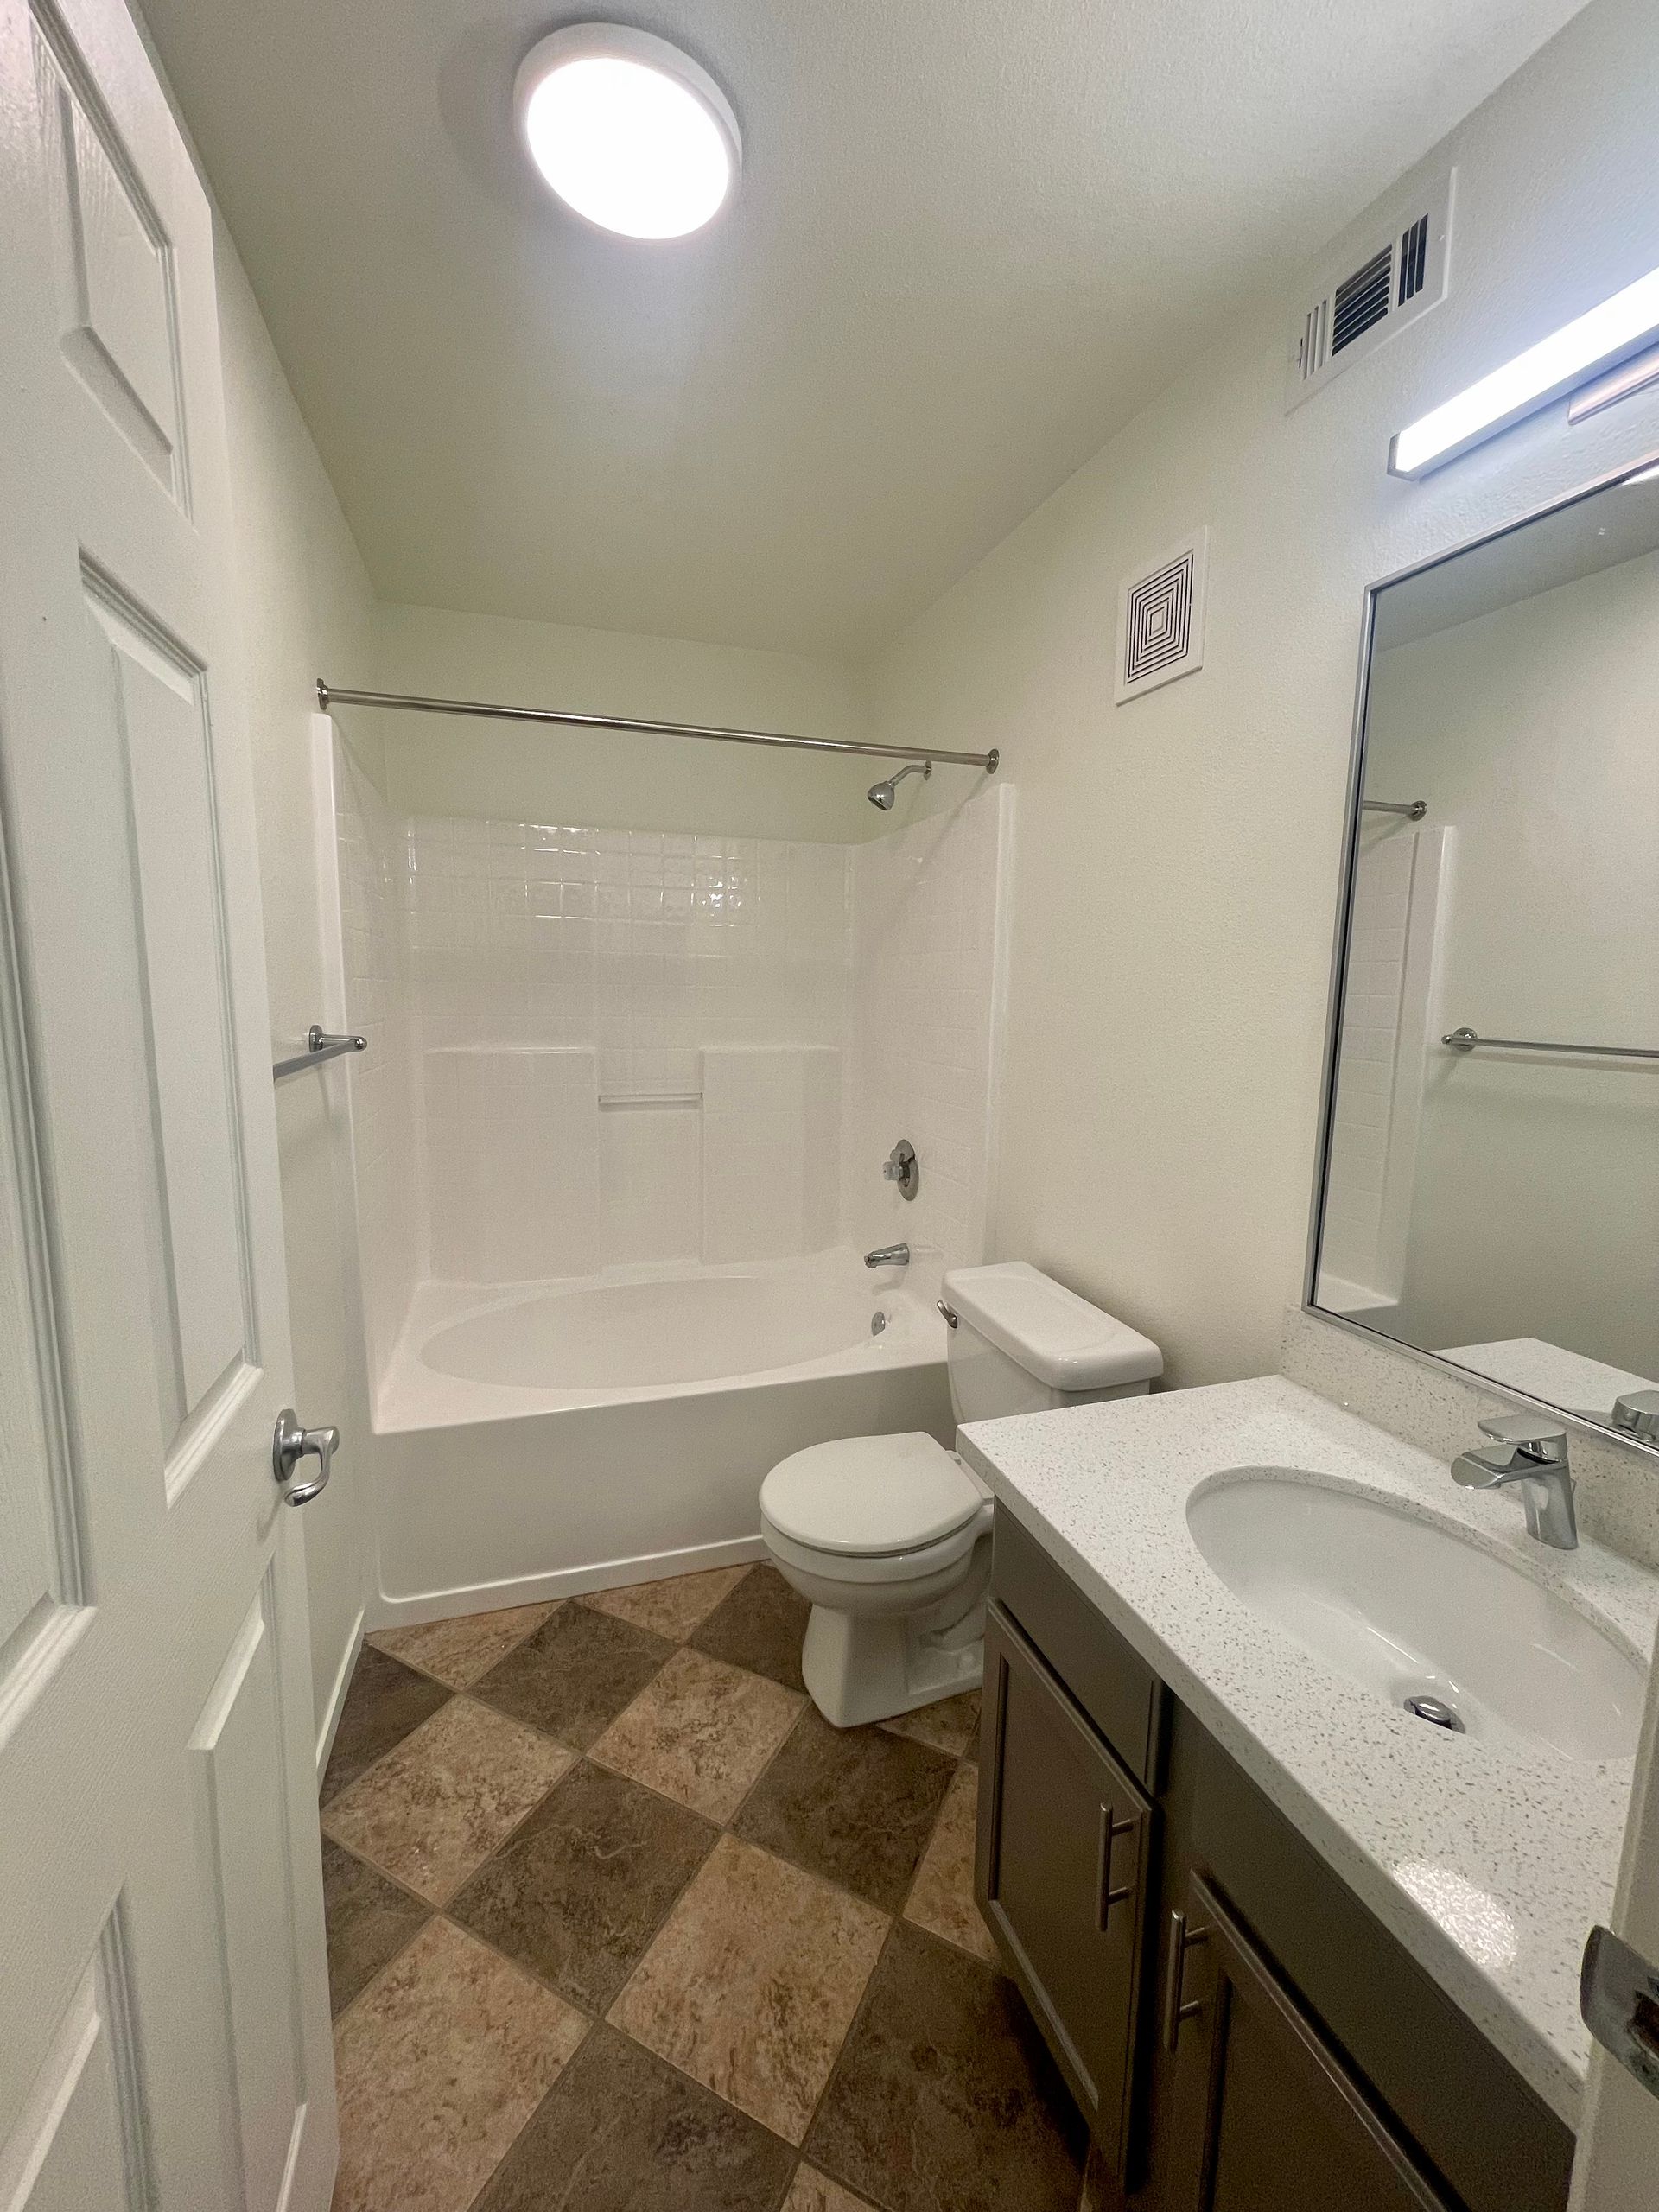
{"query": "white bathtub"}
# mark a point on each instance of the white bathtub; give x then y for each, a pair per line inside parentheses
(539, 1440)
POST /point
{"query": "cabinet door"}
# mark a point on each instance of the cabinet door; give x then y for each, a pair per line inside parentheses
(1262, 2114)
(1063, 1860)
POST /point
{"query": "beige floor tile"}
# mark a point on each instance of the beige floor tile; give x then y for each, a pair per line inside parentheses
(751, 1986)
(942, 1895)
(458, 1650)
(700, 1731)
(434, 1808)
(949, 1726)
(673, 1606)
(440, 2063)
(811, 2191)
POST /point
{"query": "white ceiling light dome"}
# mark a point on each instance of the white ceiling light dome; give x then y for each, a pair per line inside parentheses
(627, 130)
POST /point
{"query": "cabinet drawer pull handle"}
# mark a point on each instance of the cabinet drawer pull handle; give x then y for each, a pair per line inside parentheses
(1110, 1829)
(1181, 1940)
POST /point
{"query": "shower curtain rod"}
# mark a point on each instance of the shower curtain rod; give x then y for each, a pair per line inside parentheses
(328, 697)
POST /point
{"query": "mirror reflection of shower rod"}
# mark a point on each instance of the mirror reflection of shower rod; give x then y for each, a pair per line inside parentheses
(1413, 808)
(328, 698)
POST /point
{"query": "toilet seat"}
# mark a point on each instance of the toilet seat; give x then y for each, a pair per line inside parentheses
(870, 1497)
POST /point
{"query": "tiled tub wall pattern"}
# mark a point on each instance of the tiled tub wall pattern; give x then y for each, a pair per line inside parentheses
(385, 1103)
(617, 1027)
(631, 1046)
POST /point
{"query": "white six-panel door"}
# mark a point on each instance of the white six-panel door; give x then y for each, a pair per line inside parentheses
(163, 2007)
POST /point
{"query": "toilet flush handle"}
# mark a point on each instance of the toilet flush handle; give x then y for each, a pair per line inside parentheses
(951, 1321)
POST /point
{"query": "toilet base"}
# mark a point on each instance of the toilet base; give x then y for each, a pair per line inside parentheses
(864, 1666)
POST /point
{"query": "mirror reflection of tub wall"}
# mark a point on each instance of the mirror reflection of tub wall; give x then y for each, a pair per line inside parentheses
(1492, 1176)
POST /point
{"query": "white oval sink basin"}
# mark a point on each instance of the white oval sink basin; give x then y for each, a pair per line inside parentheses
(1411, 1608)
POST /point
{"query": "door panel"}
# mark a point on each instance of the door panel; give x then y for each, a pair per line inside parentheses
(83, 2138)
(249, 1849)
(158, 714)
(154, 1736)
(117, 323)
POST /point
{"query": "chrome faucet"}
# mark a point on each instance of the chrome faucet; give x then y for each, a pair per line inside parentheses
(888, 1255)
(1531, 1449)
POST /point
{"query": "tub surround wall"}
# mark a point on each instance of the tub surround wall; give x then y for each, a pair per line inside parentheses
(594, 1050)
(385, 1104)
(630, 1042)
(927, 1012)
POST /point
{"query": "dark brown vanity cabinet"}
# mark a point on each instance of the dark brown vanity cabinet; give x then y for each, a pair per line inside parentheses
(1242, 2034)
(1065, 1850)
(1260, 2110)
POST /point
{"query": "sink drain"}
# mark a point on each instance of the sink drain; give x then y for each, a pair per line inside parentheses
(1438, 1711)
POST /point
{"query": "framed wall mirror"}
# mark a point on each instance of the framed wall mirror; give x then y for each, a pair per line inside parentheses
(1489, 1181)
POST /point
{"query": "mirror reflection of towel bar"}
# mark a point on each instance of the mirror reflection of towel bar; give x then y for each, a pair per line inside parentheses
(1413, 808)
(1466, 1040)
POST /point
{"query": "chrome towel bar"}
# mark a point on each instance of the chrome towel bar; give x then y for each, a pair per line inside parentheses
(1413, 808)
(1466, 1040)
(328, 698)
(319, 1047)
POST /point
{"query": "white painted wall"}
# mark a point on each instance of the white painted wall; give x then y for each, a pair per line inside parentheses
(608, 779)
(1532, 729)
(1178, 855)
(305, 603)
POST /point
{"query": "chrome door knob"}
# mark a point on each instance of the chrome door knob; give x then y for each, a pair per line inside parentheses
(289, 1445)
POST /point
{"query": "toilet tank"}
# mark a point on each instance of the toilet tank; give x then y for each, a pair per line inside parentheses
(1024, 1344)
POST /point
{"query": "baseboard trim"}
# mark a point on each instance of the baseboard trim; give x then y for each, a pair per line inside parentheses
(337, 1694)
(564, 1582)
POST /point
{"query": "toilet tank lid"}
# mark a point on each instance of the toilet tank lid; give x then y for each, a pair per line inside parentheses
(1055, 1335)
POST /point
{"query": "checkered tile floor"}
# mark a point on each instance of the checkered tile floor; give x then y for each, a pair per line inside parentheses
(617, 1923)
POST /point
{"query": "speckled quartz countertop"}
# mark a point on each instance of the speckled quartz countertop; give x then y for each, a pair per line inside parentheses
(1489, 1862)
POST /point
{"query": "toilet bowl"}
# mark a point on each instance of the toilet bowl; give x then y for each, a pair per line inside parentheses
(889, 1537)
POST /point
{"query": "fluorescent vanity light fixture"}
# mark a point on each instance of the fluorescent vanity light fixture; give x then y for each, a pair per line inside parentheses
(1609, 333)
(627, 130)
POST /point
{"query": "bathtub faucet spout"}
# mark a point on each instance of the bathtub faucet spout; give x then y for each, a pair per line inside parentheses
(888, 1255)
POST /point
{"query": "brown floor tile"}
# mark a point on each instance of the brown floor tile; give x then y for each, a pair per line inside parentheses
(944, 2094)
(811, 2191)
(753, 1983)
(674, 1606)
(942, 1896)
(386, 1700)
(579, 1890)
(369, 1920)
(575, 1673)
(458, 1650)
(440, 2065)
(619, 2132)
(758, 1626)
(950, 1726)
(700, 1731)
(856, 1805)
(451, 1793)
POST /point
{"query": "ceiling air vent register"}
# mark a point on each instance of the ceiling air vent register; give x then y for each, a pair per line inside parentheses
(1371, 294)
(1160, 618)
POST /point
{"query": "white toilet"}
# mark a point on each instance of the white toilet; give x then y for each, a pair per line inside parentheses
(890, 1536)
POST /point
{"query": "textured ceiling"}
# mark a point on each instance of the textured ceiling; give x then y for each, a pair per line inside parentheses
(972, 237)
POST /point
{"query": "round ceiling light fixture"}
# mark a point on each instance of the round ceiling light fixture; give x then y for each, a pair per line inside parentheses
(627, 130)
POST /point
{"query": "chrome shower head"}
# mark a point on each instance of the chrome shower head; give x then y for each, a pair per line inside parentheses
(882, 795)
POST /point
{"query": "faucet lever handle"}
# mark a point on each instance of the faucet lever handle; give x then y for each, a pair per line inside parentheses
(1547, 1436)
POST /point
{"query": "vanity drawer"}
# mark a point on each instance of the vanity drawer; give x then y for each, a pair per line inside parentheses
(1112, 1683)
